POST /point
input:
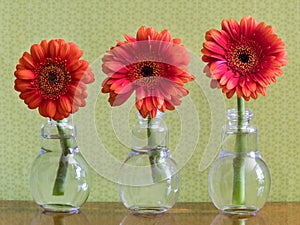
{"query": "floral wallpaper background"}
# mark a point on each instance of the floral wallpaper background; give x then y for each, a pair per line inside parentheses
(95, 26)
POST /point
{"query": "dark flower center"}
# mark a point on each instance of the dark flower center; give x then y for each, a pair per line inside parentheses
(147, 74)
(244, 58)
(53, 79)
(147, 71)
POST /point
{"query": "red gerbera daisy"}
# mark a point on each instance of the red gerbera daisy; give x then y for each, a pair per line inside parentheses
(153, 65)
(53, 79)
(243, 58)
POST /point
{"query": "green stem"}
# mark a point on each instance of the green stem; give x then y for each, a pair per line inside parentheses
(153, 152)
(65, 143)
(238, 196)
(150, 135)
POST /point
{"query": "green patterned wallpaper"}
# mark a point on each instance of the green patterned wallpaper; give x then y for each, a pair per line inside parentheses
(95, 26)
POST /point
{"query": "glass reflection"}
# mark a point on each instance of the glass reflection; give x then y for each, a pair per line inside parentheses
(148, 219)
(46, 218)
(227, 219)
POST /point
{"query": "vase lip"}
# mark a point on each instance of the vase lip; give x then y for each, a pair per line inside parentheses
(159, 115)
(67, 120)
(233, 114)
(149, 149)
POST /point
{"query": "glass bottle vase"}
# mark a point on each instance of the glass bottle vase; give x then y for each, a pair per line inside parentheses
(239, 181)
(148, 181)
(59, 175)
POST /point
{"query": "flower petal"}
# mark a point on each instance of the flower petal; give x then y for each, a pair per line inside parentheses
(165, 35)
(53, 49)
(248, 26)
(47, 108)
(219, 37)
(65, 104)
(37, 53)
(226, 77)
(232, 28)
(22, 85)
(232, 83)
(148, 103)
(64, 51)
(25, 74)
(27, 61)
(213, 47)
(35, 101)
(119, 99)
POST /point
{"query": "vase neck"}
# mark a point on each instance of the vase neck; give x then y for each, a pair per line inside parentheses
(149, 122)
(233, 133)
(59, 129)
(237, 121)
(150, 133)
(58, 136)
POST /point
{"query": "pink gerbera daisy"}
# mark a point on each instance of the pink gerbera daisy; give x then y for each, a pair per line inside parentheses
(153, 65)
(243, 58)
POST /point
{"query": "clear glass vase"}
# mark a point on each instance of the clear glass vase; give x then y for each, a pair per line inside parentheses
(148, 180)
(239, 181)
(59, 175)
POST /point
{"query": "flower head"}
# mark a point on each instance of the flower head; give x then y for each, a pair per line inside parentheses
(53, 79)
(153, 65)
(243, 58)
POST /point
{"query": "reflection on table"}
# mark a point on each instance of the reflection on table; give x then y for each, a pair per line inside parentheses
(105, 213)
(225, 219)
(42, 218)
(157, 219)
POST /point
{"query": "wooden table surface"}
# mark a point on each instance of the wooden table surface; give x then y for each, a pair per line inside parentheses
(94, 213)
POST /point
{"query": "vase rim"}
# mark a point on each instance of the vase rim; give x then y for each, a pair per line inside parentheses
(233, 113)
(159, 115)
(147, 149)
(68, 120)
